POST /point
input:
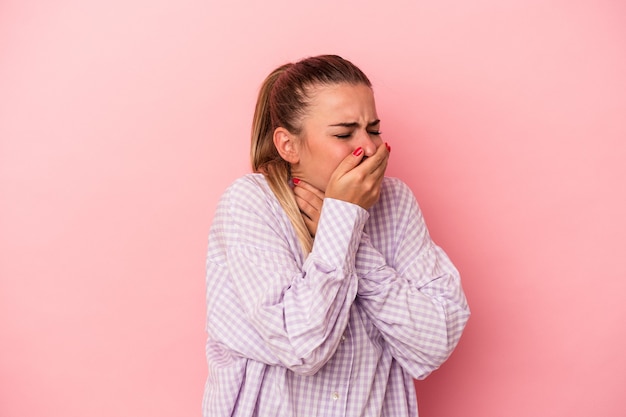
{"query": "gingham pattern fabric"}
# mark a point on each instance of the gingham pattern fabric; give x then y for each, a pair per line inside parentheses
(342, 332)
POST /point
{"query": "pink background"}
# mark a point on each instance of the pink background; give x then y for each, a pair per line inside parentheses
(121, 122)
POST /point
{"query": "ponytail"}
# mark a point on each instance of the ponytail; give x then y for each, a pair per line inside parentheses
(265, 159)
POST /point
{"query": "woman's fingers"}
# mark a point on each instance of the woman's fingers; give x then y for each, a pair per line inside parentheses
(349, 163)
(377, 163)
(310, 224)
(306, 189)
(309, 200)
(358, 179)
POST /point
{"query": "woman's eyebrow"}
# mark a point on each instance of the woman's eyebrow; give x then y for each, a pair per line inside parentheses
(355, 124)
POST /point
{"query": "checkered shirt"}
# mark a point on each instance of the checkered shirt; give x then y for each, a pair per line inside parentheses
(340, 332)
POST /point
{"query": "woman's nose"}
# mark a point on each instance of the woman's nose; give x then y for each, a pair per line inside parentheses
(368, 143)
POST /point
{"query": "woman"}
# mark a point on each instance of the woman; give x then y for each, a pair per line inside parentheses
(325, 293)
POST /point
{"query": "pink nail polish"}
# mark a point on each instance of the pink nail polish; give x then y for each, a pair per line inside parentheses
(296, 181)
(388, 147)
(358, 151)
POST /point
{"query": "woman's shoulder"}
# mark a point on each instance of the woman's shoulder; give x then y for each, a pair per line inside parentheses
(395, 188)
(248, 186)
(396, 199)
(254, 179)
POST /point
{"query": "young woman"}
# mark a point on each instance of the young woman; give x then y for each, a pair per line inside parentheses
(326, 295)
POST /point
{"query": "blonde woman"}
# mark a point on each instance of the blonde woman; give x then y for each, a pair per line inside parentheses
(326, 295)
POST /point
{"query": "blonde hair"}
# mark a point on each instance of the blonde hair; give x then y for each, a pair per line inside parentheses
(282, 102)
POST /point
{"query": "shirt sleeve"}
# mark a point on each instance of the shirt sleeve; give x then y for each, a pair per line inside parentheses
(279, 310)
(414, 298)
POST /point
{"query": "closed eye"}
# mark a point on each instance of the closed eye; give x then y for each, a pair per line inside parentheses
(370, 132)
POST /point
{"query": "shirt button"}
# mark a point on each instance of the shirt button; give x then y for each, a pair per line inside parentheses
(343, 339)
(335, 396)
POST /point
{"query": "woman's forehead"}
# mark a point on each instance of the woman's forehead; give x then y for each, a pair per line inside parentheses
(341, 101)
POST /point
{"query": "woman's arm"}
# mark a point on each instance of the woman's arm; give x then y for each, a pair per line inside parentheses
(264, 303)
(414, 299)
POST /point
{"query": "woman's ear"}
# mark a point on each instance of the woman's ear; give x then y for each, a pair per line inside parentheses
(285, 144)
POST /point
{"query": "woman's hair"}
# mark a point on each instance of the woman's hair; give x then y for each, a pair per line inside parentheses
(283, 101)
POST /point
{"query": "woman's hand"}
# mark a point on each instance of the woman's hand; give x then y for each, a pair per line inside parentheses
(358, 179)
(309, 200)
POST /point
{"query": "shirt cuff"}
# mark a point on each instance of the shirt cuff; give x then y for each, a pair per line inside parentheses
(339, 233)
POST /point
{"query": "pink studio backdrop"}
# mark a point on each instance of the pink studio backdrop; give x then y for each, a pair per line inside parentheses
(121, 123)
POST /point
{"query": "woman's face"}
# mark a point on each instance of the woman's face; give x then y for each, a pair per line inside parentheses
(339, 119)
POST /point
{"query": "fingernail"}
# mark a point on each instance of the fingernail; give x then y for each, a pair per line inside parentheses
(388, 147)
(358, 151)
(296, 181)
